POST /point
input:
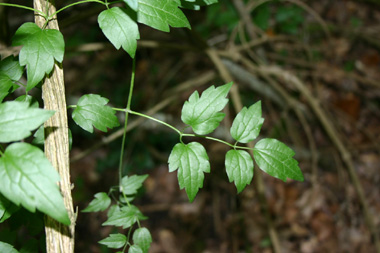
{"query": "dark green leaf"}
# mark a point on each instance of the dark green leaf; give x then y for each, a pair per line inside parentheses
(7, 248)
(91, 111)
(131, 184)
(114, 241)
(28, 178)
(142, 238)
(6, 84)
(239, 167)
(125, 217)
(159, 14)
(196, 4)
(100, 203)
(17, 120)
(7, 208)
(40, 48)
(275, 158)
(120, 29)
(191, 160)
(11, 67)
(203, 114)
(247, 124)
(31, 246)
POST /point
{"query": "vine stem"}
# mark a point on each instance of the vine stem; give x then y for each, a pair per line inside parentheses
(127, 111)
(24, 7)
(76, 3)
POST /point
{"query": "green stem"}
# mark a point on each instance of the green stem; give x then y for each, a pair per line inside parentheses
(126, 119)
(24, 7)
(76, 3)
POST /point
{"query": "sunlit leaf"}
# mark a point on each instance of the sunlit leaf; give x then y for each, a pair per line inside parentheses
(120, 29)
(132, 184)
(134, 4)
(7, 248)
(17, 120)
(203, 113)
(275, 158)
(92, 111)
(40, 49)
(124, 217)
(114, 241)
(142, 238)
(100, 203)
(28, 178)
(135, 249)
(239, 167)
(192, 162)
(247, 124)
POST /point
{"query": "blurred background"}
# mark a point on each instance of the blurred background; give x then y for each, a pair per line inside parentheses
(315, 67)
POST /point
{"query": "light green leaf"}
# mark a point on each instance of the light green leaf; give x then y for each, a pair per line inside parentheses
(159, 14)
(11, 67)
(32, 102)
(99, 204)
(91, 111)
(40, 48)
(7, 248)
(247, 124)
(203, 114)
(118, 26)
(142, 238)
(239, 167)
(196, 4)
(131, 184)
(6, 84)
(7, 208)
(125, 217)
(114, 241)
(28, 178)
(135, 249)
(17, 120)
(275, 158)
(192, 161)
(134, 4)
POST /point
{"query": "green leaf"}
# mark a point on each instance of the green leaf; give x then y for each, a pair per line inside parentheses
(239, 167)
(275, 158)
(17, 120)
(120, 29)
(28, 178)
(142, 238)
(91, 111)
(192, 161)
(125, 217)
(11, 67)
(99, 204)
(7, 248)
(114, 241)
(159, 14)
(203, 114)
(134, 4)
(7, 208)
(131, 184)
(135, 249)
(40, 48)
(6, 84)
(196, 4)
(247, 124)
(32, 102)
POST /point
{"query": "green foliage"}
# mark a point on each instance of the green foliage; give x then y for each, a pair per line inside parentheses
(17, 120)
(7, 208)
(91, 110)
(40, 48)
(131, 184)
(142, 238)
(120, 29)
(124, 217)
(27, 178)
(114, 241)
(239, 167)
(100, 203)
(203, 114)
(7, 248)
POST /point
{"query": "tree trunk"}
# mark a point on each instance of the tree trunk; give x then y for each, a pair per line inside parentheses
(59, 238)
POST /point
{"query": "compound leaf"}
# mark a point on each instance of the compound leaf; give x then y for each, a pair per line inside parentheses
(17, 120)
(275, 158)
(114, 241)
(125, 217)
(192, 162)
(100, 203)
(239, 167)
(40, 48)
(159, 14)
(247, 124)
(132, 184)
(135, 249)
(7, 248)
(142, 238)
(120, 29)
(91, 111)
(28, 178)
(203, 114)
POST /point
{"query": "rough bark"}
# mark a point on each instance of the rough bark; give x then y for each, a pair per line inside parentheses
(59, 238)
